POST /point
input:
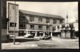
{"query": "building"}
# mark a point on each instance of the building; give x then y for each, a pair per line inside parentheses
(70, 30)
(76, 25)
(13, 16)
(38, 24)
(23, 22)
(7, 17)
(3, 22)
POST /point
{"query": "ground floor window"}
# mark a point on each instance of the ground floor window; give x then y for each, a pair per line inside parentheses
(39, 34)
(21, 33)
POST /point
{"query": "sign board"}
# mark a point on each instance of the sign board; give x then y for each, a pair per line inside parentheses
(13, 15)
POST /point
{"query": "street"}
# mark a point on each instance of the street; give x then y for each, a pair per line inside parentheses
(55, 43)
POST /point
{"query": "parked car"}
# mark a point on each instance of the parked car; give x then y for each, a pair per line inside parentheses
(29, 36)
(46, 38)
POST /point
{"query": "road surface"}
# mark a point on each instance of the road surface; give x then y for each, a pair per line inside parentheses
(55, 43)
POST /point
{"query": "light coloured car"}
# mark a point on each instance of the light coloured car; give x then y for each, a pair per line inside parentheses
(27, 35)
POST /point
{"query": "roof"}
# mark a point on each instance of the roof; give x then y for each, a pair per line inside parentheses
(13, 4)
(41, 14)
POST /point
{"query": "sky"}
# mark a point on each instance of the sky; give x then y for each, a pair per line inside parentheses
(55, 8)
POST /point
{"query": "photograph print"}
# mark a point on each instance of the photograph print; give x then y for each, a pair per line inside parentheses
(39, 25)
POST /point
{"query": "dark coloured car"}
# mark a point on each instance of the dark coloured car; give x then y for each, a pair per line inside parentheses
(46, 38)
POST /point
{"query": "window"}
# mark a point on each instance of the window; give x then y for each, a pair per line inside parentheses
(12, 24)
(47, 27)
(54, 28)
(31, 18)
(70, 25)
(47, 20)
(61, 21)
(22, 19)
(63, 26)
(58, 27)
(20, 31)
(31, 26)
(22, 26)
(54, 21)
(40, 19)
(40, 27)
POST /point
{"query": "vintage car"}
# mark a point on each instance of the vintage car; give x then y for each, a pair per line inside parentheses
(29, 36)
(46, 38)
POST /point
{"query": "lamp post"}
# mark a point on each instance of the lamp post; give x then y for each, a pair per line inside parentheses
(67, 20)
(48, 28)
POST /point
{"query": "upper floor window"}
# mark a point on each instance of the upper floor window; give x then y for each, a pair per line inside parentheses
(22, 19)
(40, 19)
(54, 21)
(31, 18)
(47, 20)
(31, 26)
(61, 21)
(40, 26)
(54, 28)
(47, 27)
(22, 26)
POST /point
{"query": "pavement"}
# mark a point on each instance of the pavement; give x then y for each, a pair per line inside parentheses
(55, 43)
